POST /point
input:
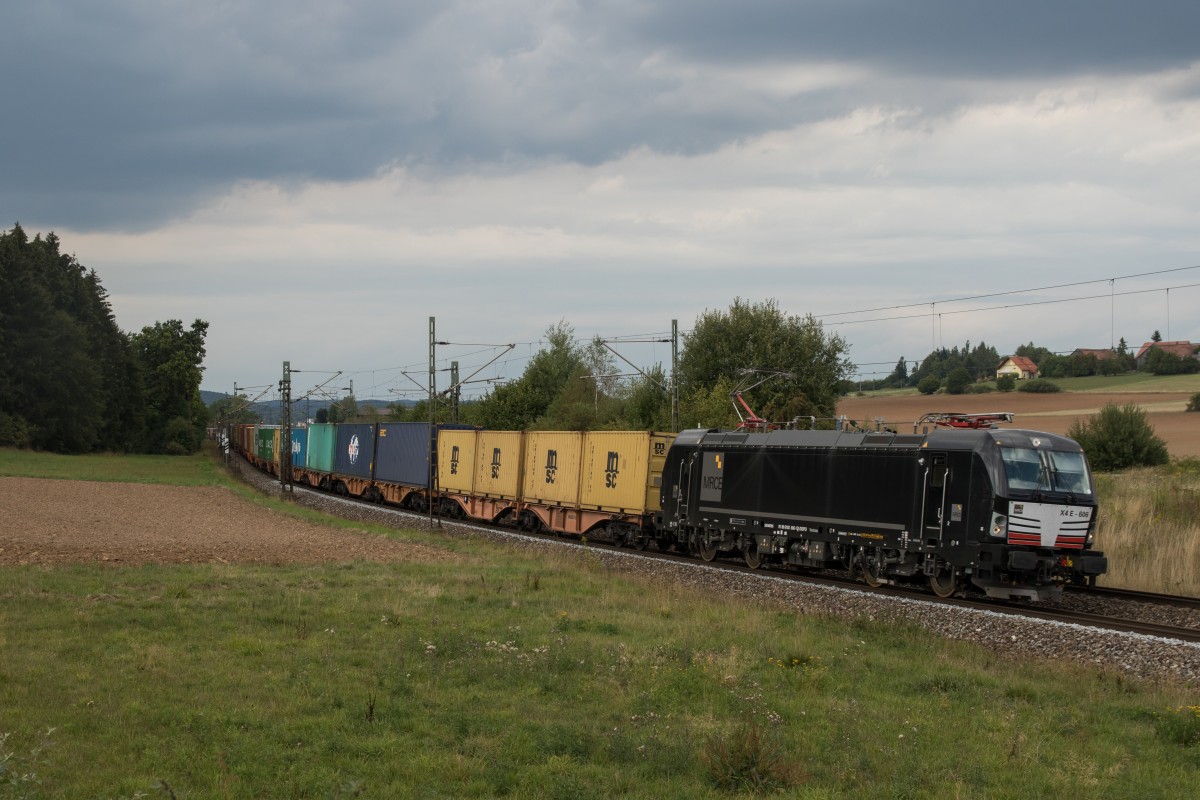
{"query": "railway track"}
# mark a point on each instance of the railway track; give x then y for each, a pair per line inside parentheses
(1178, 601)
(1067, 613)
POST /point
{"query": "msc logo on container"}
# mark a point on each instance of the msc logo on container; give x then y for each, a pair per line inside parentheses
(551, 465)
(612, 469)
(352, 450)
(496, 463)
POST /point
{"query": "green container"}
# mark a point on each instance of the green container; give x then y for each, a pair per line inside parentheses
(266, 443)
(321, 439)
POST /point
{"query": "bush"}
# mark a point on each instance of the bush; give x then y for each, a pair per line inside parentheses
(1006, 383)
(751, 759)
(1119, 437)
(980, 388)
(1194, 403)
(929, 385)
(14, 431)
(1160, 362)
(957, 381)
(1039, 386)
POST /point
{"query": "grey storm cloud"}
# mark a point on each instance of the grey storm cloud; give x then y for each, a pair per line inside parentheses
(122, 114)
(947, 38)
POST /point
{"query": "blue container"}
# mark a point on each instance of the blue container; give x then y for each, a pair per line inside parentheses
(402, 453)
(403, 450)
(299, 446)
(354, 453)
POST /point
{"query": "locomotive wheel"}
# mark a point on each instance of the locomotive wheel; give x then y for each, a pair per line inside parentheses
(707, 552)
(752, 556)
(871, 561)
(944, 582)
(640, 541)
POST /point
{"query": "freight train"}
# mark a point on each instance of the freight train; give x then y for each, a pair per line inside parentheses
(1007, 512)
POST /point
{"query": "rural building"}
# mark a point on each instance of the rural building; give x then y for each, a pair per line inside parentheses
(1182, 349)
(1019, 367)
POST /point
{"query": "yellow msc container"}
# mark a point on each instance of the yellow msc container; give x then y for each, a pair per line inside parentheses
(552, 461)
(456, 460)
(498, 466)
(622, 470)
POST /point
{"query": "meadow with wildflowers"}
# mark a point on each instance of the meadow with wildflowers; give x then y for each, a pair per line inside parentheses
(499, 672)
(525, 677)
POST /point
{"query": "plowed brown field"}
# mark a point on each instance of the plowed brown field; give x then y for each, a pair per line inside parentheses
(61, 522)
(1053, 413)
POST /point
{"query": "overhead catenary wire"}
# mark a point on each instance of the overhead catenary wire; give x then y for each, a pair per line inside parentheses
(504, 366)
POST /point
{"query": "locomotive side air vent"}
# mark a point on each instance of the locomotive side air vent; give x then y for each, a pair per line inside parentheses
(908, 439)
(734, 438)
(878, 438)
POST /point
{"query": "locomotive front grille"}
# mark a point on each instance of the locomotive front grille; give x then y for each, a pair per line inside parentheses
(1048, 525)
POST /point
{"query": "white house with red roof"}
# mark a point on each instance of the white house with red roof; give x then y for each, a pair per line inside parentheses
(1019, 367)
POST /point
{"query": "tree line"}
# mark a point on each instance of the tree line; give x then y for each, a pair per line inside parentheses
(787, 368)
(957, 370)
(71, 381)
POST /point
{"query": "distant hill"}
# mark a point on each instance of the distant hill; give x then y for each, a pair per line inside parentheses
(307, 408)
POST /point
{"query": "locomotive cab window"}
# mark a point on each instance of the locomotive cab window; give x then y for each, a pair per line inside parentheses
(1045, 471)
(1069, 472)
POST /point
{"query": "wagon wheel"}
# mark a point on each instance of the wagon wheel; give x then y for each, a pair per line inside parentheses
(640, 541)
(707, 551)
(871, 561)
(752, 555)
(944, 581)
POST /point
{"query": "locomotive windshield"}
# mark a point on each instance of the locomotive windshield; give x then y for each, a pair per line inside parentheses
(1045, 470)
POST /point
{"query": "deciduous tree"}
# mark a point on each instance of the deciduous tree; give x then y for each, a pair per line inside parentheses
(723, 345)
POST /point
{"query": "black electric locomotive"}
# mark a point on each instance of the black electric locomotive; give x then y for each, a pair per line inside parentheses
(1011, 512)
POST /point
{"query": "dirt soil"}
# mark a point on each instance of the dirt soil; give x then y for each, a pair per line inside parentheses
(1053, 413)
(58, 522)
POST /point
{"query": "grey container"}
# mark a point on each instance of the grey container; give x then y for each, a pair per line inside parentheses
(402, 453)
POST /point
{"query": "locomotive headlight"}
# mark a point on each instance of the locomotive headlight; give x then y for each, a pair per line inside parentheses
(999, 526)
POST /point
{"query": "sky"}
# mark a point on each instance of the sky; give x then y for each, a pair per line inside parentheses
(316, 180)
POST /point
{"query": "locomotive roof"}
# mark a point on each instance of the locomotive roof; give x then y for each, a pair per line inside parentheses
(936, 439)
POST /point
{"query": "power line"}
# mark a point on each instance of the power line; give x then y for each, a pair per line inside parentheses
(1014, 305)
(1003, 294)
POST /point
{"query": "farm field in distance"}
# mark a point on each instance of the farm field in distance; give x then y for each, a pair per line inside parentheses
(1053, 413)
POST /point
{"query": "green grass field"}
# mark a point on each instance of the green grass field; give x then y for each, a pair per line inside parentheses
(196, 470)
(1132, 382)
(530, 676)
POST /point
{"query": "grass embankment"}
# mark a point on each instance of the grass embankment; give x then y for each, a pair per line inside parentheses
(1149, 527)
(530, 676)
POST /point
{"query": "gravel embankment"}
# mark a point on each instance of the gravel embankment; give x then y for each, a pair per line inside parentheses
(1150, 658)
